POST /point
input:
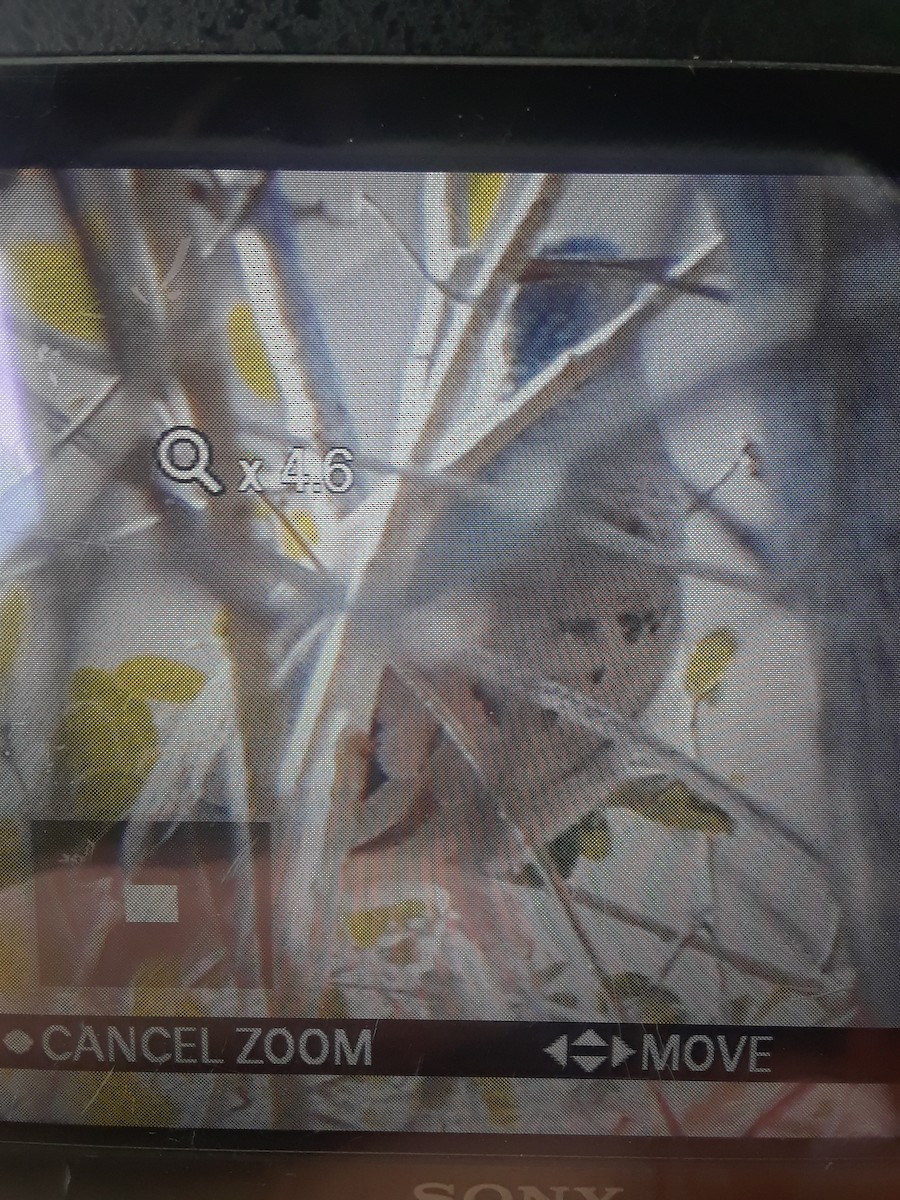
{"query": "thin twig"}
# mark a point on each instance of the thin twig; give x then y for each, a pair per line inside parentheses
(588, 714)
(617, 911)
(420, 688)
(85, 417)
(473, 445)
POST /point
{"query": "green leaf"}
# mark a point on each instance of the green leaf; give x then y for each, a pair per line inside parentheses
(529, 876)
(546, 975)
(779, 993)
(595, 842)
(156, 678)
(500, 1100)
(737, 1010)
(13, 620)
(565, 849)
(670, 803)
(564, 999)
(708, 663)
(15, 858)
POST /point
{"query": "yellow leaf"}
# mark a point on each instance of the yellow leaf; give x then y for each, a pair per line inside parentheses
(500, 1100)
(98, 226)
(15, 961)
(670, 803)
(434, 1091)
(708, 663)
(90, 684)
(404, 953)
(484, 192)
(249, 353)
(13, 620)
(658, 1011)
(680, 808)
(333, 1005)
(156, 678)
(595, 843)
(123, 1099)
(222, 624)
(779, 993)
(658, 1004)
(109, 735)
(99, 739)
(108, 744)
(737, 1009)
(15, 857)
(299, 533)
(627, 984)
(368, 926)
(51, 279)
(107, 795)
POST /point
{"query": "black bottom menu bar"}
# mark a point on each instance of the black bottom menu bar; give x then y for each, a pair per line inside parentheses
(525, 1050)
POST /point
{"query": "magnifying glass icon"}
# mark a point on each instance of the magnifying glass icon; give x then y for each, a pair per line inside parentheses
(184, 455)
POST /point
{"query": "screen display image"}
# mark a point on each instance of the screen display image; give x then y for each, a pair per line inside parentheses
(448, 657)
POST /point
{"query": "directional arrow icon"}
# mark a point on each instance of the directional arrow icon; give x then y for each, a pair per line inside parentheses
(589, 1062)
(559, 1050)
(620, 1051)
(592, 1039)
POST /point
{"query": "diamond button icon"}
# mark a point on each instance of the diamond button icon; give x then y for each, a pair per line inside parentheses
(592, 1040)
(18, 1041)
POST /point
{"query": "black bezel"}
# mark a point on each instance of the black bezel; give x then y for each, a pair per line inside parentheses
(405, 115)
(362, 113)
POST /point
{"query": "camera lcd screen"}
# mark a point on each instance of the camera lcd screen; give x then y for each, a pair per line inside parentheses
(448, 651)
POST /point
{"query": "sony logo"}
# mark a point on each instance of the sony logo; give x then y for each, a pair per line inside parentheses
(497, 1191)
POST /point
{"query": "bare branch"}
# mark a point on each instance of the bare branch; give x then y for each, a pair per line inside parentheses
(588, 714)
(456, 359)
(471, 446)
(271, 258)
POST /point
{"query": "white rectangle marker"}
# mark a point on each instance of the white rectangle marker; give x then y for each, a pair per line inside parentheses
(151, 903)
